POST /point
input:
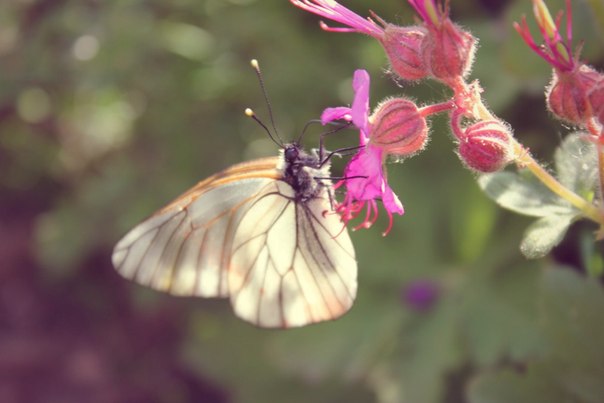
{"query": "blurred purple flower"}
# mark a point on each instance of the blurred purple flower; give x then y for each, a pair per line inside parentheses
(420, 295)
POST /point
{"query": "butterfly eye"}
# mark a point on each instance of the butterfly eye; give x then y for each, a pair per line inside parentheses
(291, 154)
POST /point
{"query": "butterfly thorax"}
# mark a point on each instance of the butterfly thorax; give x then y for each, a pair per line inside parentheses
(303, 172)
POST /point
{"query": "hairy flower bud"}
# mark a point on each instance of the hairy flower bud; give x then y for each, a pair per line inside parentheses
(448, 51)
(398, 127)
(486, 146)
(403, 47)
(576, 95)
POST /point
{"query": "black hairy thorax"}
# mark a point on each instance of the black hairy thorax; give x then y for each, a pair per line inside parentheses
(304, 172)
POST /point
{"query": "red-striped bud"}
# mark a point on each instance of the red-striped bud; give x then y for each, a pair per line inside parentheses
(486, 146)
(398, 127)
(448, 51)
(576, 95)
(403, 47)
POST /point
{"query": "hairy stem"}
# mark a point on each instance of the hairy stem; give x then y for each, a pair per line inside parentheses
(525, 159)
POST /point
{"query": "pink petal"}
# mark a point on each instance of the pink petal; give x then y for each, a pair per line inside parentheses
(336, 12)
(331, 114)
(391, 202)
(366, 176)
(360, 104)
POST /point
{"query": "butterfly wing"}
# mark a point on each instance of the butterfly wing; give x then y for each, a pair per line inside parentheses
(292, 262)
(241, 233)
(184, 247)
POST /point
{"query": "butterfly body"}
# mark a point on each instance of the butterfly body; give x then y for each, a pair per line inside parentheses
(260, 233)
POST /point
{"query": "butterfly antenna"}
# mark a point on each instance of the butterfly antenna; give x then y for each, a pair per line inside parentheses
(322, 141)
(304, 130)
(250, 113)
(256, 68)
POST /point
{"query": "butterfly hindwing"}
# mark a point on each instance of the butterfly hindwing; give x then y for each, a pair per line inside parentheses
(292, 262)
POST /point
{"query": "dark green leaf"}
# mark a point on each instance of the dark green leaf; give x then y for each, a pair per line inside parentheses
(500, 315)
(574, 318)
(433, 349)
(324, 354)
(571, 367)
(511, 387)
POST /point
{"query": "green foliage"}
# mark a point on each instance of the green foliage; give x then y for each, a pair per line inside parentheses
(571, 367)
(110, 109)
(576, 168)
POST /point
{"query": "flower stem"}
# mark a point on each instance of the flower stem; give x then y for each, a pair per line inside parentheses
(525, 159)
(436, 108)
(596, 129)
(600, 151)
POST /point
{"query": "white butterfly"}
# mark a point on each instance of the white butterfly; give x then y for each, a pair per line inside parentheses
(261, 233)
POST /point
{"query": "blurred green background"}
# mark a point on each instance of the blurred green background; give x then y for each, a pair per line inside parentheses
(108, 109)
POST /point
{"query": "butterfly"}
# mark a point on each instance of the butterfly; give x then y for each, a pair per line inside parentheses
(261, 233)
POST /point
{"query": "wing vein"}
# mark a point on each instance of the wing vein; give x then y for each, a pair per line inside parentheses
(309, 216)
(166, 247)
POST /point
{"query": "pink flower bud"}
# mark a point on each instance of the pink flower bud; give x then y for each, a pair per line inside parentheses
(576, 95)
(398, 127)
(486, 146)
(448, 51)
(403, 47)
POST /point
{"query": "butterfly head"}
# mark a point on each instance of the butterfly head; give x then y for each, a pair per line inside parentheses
(291, 153)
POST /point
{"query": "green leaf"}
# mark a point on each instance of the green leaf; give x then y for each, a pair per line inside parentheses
(576, 164)
(571, 368)
(325, 354)
(573, 308)
(510, 387)
(544, 234)
(522, 195)
(431, 349)
(500, 315)
(239, 356)
(573, 317)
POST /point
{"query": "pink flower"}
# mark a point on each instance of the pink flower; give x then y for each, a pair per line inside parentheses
(430, 12)
(447, 50)
(556, 51)
(365, 177)
(336, 12)
(402, 44)
(576, 91)
(365, 183)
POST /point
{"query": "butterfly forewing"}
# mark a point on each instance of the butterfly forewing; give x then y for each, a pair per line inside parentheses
(292, 262)
(184, 248)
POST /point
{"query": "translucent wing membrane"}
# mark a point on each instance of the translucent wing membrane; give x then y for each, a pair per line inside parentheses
(292, 263)
(183, 248)
(242, 234)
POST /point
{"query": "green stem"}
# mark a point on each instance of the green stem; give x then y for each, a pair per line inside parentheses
(601, 169)
(525, 159)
